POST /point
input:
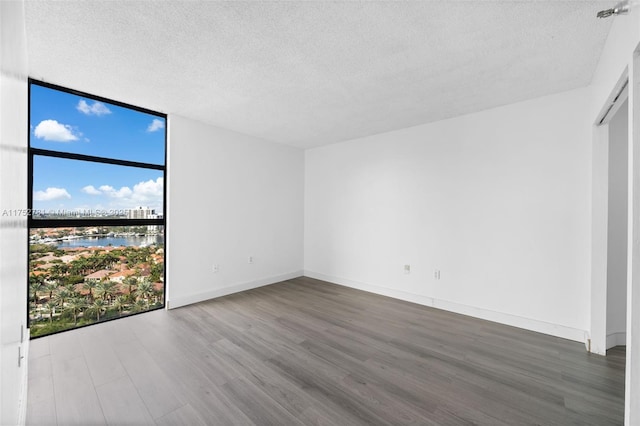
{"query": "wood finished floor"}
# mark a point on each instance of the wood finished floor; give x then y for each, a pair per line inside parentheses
(306, 352)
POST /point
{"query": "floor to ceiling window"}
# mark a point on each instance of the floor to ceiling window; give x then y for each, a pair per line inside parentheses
(96, 209)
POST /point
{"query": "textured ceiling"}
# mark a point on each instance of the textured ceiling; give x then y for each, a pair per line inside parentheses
(314, 73)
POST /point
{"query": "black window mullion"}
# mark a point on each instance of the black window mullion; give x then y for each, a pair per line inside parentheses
(77, 223)
(91, 158)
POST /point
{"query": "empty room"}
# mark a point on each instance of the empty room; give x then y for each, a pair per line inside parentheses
(320, 212)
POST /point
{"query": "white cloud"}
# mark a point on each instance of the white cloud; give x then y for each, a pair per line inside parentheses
(51, 194)
(150, 190)
(110, 191)
(51, 130)
(89, 189)
(98, 108)
(155, 125)
(145, 193)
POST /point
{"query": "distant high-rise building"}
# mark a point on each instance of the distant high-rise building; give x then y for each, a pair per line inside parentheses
(153, 228)
(141, 213)
(145, 213)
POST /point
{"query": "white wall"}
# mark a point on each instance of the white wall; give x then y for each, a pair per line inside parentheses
(617, 228)
(231, 196)
(13, 196)
(497, 201)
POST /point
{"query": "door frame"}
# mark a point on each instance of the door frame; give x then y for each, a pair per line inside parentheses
(632, 372)
(597, 341)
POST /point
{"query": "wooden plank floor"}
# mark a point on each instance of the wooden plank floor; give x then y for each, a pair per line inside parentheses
(306, 352)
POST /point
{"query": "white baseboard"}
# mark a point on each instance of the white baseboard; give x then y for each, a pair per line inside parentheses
(616, 339)
(486, 314)
(176, 302)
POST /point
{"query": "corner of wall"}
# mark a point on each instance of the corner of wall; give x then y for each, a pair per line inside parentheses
(202, 296)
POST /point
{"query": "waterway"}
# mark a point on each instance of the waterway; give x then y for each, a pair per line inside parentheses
(116, 241)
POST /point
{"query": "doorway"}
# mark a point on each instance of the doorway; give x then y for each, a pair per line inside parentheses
(617, 226)
(610, 221)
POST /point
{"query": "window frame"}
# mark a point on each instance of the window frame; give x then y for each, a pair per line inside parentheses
(87, 222)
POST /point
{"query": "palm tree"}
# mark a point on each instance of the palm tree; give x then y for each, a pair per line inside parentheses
(75, 305)
(62, 295)
(107, 260)
(55, 272)
(79, 266)
(140, 305)
(134, 257)
(93, 262)
(51, 287)
(98, 307)
(59, 269)
(50, 309)
(131, 281)
(106, 289)
(72, 289)
(145, 290)
(35, 285)
(89, 285)
(120, 303)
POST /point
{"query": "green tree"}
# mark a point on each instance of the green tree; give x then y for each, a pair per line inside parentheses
(106, 289)
(97, 308)
(59, 269)
(90, 285)
(145, 290)
(157, 270)
(51, 288)
(120, 303)
(73, 279)
(107, 260)
(35, 285)
(140, 305)
(50, 309)
(93, 262)
(39, 248)
(79, 266)
(75, 305)
(131, 282)
(62, 295)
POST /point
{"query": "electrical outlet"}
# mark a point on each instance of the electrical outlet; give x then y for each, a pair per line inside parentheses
(407, 269)
(436, 274)
(250, 259)
(215, 268)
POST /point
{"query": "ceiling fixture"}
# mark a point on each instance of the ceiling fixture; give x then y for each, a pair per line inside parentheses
(621, 8)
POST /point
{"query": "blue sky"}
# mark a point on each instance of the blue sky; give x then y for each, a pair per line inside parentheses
(65, 122)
